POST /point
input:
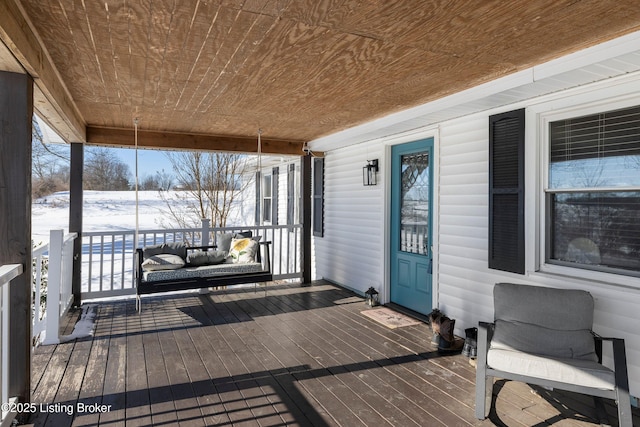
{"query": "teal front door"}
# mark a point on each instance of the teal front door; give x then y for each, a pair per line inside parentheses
(411, 248)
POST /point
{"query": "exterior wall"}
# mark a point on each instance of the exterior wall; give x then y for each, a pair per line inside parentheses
(352, 252)
(465, 282)
(248, 196)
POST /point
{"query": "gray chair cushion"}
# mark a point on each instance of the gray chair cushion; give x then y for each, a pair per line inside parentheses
(537, 340)
(544, 321)
(562, 309)
(572, 371)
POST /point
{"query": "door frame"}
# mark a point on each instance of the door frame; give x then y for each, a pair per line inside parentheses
(414, 136)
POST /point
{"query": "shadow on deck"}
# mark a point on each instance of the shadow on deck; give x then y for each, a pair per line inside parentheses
(302, 355)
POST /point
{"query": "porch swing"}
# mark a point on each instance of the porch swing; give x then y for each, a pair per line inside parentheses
(175, 266)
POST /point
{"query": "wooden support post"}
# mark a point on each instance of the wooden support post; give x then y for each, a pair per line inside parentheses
(16, 112)
(75, 218)
(305, 191)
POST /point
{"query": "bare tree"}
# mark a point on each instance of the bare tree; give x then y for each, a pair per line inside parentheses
(103, 170)
(165, 180)
(210, 183)
(50, 165)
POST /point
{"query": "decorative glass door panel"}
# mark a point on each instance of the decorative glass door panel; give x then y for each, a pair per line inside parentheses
(414, 209)
(410, 226)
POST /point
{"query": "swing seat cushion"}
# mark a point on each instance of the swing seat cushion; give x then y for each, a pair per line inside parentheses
(202, 271)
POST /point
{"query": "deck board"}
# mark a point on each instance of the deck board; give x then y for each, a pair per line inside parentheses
(300, 356)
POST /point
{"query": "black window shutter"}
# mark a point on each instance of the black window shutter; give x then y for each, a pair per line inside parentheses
(506, 192)
(318, 197)
(274, 195)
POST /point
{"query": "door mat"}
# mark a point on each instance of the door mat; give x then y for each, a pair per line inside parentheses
(389, 318)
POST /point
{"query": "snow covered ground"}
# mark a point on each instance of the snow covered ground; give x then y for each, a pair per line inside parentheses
(108, 211)
(111, 211)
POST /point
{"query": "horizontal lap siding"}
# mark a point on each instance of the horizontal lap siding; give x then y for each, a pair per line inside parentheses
(351, 252)
(464, 285)
(464, 279)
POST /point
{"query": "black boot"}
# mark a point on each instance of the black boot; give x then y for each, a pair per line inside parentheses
(470, 348)
(447, 342)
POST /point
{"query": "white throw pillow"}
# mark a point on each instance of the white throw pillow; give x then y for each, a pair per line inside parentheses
(162, 262)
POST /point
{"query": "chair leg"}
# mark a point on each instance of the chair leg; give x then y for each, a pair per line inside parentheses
(601, 411)
(624, 408)
(484, 394)
(484, 383)
(622, 383)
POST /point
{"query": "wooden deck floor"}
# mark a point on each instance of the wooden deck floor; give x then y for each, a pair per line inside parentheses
(299, 356)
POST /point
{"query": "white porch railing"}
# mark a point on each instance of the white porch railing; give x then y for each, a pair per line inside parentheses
(414, 237)
(52, 277)
(7, 274)
(108, 256)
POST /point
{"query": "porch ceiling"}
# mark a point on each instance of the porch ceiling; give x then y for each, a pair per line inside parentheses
(208, 74)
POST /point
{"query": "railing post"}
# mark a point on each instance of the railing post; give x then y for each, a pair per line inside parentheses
(6, 307)
(66, 284)
(9, 411)
(56, 240)
(204, 239)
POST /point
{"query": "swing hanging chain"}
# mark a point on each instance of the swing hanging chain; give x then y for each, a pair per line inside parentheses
(259, 175)
(135, 126)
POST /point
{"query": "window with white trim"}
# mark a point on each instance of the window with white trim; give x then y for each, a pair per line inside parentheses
(266, 199)
(592, 194)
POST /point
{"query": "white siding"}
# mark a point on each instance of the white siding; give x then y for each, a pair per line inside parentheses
(466, 283)
(351, 252)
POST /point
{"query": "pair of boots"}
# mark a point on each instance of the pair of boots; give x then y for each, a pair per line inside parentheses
(470, 348)
(443, 337)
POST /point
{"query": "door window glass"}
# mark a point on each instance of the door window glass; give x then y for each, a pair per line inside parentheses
(414, 209)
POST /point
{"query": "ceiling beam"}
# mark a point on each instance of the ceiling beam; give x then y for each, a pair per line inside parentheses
(8, 62)
(52, 100)
(125, 138)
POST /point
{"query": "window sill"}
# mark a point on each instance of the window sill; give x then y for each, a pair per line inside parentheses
(580, 275)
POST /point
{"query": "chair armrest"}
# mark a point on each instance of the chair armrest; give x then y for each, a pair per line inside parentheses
(487, 328)
(619, 356)
(485, 333)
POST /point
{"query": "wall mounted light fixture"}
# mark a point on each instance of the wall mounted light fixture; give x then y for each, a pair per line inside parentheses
(370, 173)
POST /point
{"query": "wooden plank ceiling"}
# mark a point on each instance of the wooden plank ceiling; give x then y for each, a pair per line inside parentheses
(298, 69)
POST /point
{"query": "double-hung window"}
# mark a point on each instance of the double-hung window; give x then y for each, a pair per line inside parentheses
(266, 199)
(592, 194)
